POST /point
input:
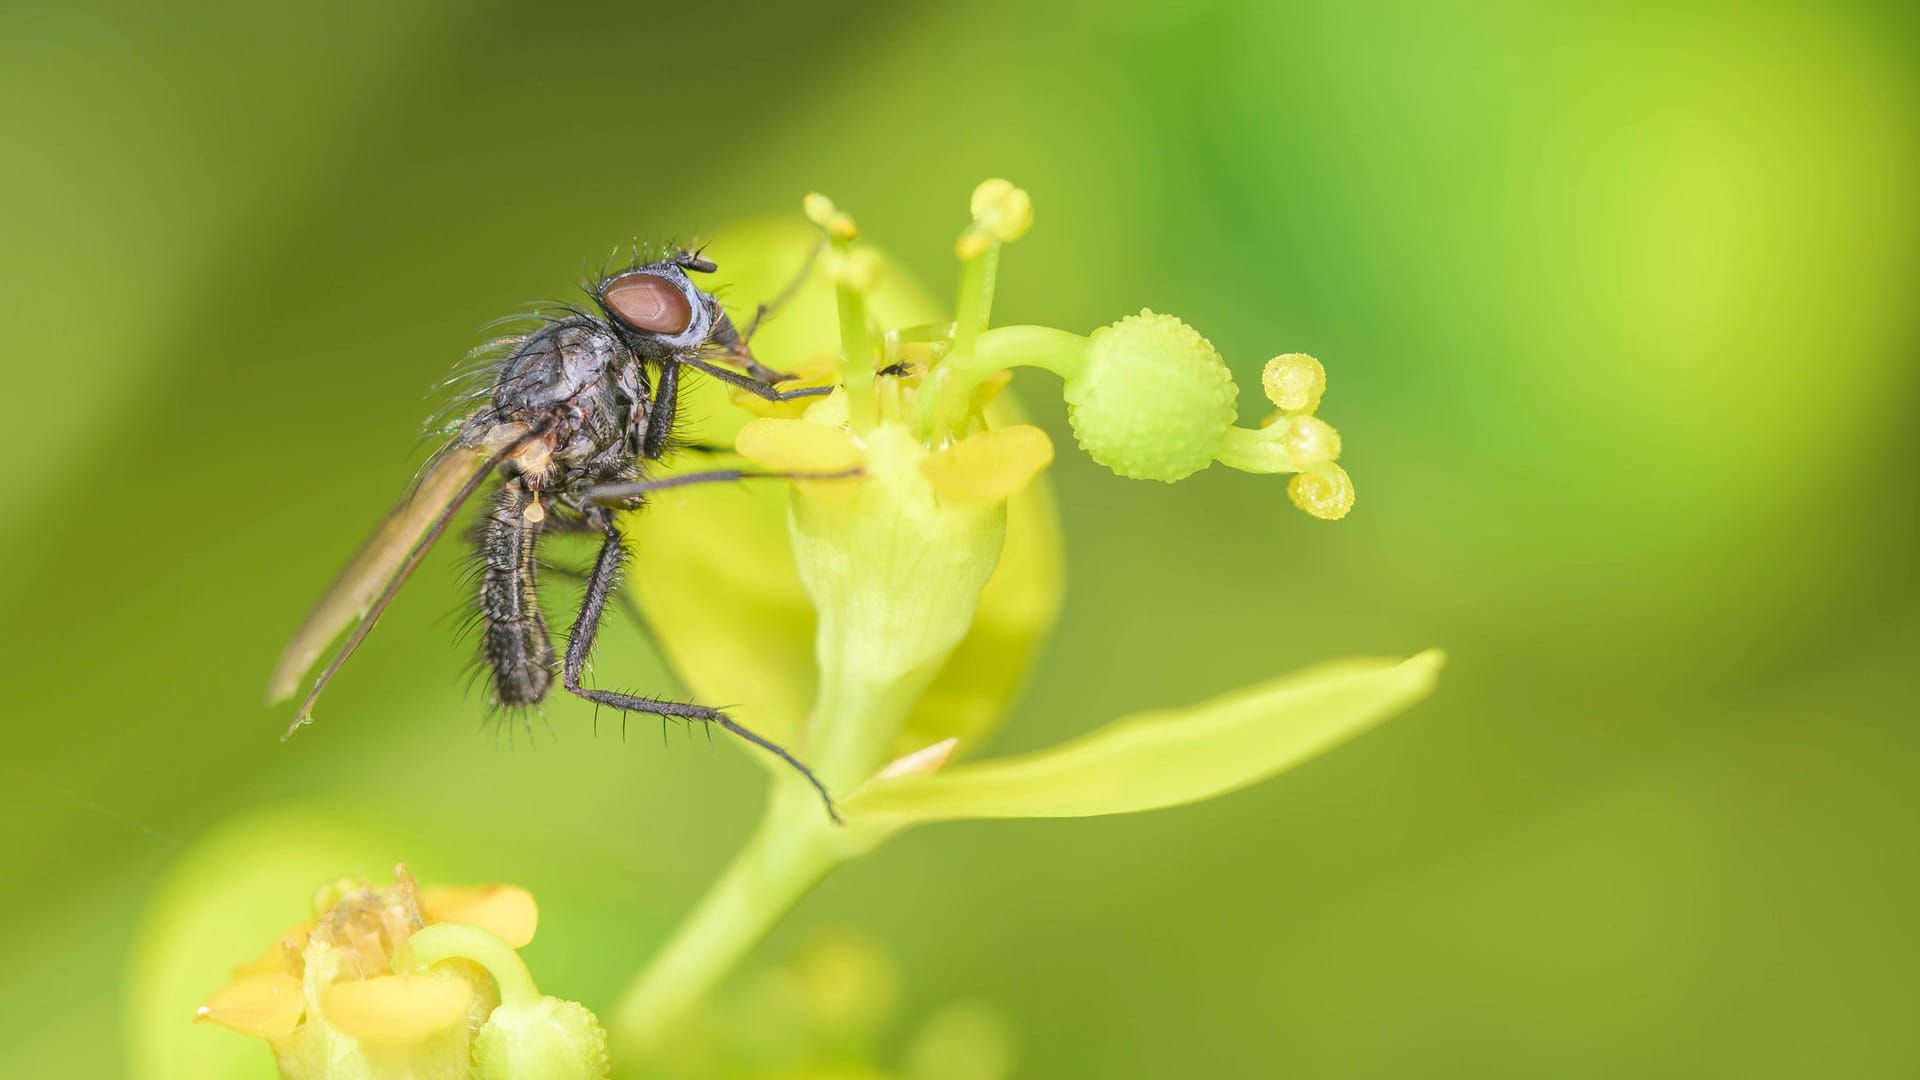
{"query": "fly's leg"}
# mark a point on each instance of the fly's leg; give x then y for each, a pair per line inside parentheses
(601, 582)
(754, 386)
(579, 525)
(729, 338)
(666, 405)
(630, 495)
(780, 299)
(740, 345)
(620, 597)
(666, 400)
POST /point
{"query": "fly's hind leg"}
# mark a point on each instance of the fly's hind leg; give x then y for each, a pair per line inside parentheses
(602, 580)
(631, 494)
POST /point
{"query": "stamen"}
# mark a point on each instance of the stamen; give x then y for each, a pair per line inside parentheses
(1324, 491)
(1294, 382)
(838, 224)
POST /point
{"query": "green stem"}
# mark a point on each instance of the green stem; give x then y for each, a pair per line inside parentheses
(1063, 353)
(794, 847)
(858, 712)
(866, 709)
(1256, 450)
(981, 353)
(856, 345)
(975, 304)
(944, 409)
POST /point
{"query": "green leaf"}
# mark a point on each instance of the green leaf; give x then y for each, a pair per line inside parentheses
(1163, 758)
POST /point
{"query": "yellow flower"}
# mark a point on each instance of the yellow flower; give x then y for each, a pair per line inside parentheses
(400, 981)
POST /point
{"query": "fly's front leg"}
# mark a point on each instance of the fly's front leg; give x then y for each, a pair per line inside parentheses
(741, 345)
(755, 386)
(602, 580)
(728, 338)
(666, 404)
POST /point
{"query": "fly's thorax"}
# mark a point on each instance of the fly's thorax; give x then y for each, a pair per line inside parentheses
(579, 383)
(555, 365)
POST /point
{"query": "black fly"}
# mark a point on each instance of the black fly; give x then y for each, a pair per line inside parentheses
(567, 417)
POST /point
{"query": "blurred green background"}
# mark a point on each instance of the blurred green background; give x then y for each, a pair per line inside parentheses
(1618, 303)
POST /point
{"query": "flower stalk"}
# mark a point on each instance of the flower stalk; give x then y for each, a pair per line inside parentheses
(793, 848)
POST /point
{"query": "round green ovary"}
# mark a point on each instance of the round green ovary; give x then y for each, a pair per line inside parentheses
(1154, 400)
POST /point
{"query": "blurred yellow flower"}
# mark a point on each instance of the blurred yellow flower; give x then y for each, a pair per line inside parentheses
(397, 981)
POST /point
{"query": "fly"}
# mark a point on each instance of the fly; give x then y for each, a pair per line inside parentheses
(565, 419)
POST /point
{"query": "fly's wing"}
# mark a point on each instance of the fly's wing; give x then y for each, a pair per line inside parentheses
(385, 561)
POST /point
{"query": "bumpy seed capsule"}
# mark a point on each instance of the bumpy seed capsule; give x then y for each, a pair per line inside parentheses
(1154, 399)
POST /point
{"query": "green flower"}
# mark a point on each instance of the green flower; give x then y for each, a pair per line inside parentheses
(879, 626)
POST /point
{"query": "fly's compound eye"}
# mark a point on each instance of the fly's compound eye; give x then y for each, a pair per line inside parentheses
(649, 302)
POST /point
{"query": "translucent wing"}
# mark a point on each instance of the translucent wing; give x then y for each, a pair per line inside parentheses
(385, 561)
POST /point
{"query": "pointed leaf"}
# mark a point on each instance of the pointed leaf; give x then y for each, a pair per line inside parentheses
(1163, 758)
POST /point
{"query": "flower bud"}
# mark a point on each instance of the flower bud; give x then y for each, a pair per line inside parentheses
(1153, 400)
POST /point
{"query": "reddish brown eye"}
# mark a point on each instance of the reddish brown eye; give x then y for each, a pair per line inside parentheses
(647, 302)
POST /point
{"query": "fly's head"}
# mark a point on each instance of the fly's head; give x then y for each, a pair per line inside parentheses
(657, 308)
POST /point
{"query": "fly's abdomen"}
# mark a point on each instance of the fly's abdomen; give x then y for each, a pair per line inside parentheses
(514, 641)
